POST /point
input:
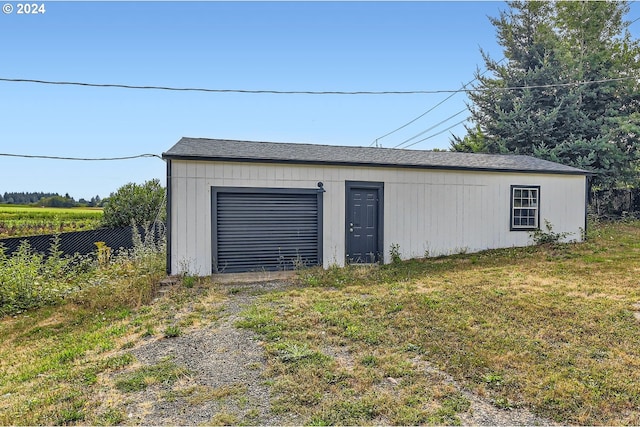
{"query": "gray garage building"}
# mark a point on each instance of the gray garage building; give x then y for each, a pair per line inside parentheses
(238, 206)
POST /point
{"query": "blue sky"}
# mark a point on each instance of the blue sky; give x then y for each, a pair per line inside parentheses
(299, 46)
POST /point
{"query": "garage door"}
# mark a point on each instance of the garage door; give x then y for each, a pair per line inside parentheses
(256, 229)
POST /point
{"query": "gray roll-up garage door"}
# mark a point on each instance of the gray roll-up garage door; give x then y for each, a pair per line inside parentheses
(265, 229)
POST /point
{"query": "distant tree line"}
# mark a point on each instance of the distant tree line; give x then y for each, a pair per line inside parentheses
(52, 200)
(140, 204)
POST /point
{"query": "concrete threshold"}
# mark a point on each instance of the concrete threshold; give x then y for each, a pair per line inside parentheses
(253, 276)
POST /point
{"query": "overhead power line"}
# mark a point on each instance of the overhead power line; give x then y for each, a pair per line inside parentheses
(306, 92)
(194, 89)
(464, 86)
(86, 159)
(432, 127)
(375, 141)
(437, 133)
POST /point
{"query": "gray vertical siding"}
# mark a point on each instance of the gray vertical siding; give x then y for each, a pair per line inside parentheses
(433, 212)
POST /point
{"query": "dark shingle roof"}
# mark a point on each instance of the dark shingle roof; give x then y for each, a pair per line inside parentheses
(275, 152)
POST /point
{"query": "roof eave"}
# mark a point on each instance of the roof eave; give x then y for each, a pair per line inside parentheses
(362, 164)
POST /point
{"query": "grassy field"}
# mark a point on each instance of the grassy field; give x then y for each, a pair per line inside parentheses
(551, 328)
(19, 221)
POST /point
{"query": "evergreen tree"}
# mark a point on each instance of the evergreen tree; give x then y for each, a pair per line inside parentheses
(593, 126)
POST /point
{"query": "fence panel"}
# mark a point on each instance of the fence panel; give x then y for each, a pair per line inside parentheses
(616, 203)
(84, 242)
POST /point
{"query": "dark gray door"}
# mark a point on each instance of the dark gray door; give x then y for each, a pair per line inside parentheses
(364, 222)
(265, 229)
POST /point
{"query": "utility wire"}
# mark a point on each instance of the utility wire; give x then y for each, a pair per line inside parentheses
(87, 159)
(193, 89)
(375, 141)
(432, 127)
(308, 92)
(464, 86)
(438, 133)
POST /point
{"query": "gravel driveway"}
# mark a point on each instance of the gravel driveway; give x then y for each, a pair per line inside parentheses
(226, 383)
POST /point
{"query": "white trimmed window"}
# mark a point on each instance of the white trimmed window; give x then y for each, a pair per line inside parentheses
(525, 207)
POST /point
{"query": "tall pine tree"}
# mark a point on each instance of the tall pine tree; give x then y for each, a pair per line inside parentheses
(536, 101)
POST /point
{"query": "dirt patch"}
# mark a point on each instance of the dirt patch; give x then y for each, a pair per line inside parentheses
(224, 383)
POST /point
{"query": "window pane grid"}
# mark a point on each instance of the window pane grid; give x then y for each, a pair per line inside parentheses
(524, 213)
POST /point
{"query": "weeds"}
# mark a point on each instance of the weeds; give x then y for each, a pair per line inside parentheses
(189, 281)
(394, 253)
(29, 279)
(165, 371)
(111, 417)
(363, 411)
(172, 331)
(548, 237)
(223, 419)
(296, 353)
(128, 279)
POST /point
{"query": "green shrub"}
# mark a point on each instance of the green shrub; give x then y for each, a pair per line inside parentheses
(134, 203)
(550, 237)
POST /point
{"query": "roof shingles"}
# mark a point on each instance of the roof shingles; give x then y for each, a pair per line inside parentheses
(275, 152)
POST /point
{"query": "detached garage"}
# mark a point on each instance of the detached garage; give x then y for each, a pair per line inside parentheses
(236, 206)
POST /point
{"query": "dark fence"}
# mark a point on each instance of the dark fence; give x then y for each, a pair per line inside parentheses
(616, 203)
(84, 242)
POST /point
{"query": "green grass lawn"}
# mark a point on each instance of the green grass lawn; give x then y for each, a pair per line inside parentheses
(19, 221)
(551, 329)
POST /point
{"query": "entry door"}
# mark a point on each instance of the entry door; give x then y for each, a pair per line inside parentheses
(364, 222)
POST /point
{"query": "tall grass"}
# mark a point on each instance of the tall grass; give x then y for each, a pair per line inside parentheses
(128, 279)
(30, 279)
